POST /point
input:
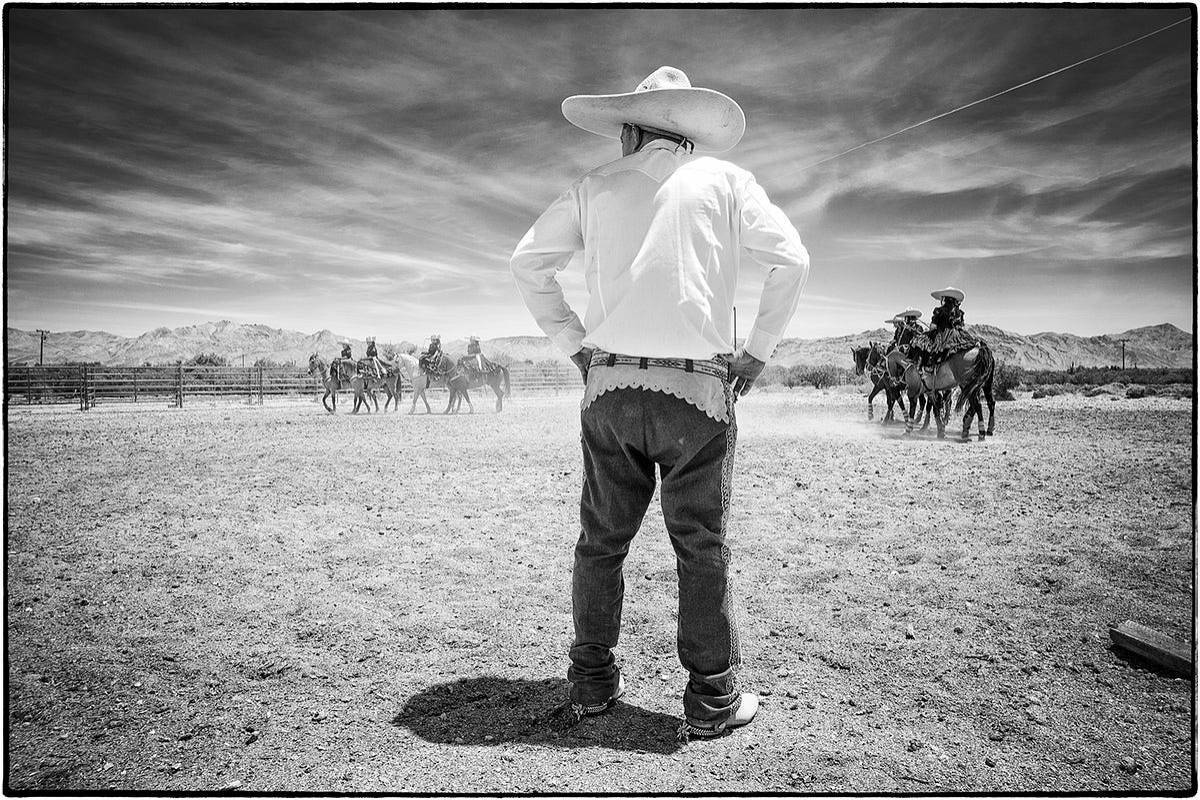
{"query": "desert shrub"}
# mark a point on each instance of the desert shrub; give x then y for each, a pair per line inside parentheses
(1008, 377)
(208, 360)
(820, 377)
(1098, 376)
(267, 363)
(773, 375)
(1135, 392)
(1052, 390)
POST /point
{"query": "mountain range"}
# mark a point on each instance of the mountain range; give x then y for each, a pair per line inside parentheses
(1162, 345)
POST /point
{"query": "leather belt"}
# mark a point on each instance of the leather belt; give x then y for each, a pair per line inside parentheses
(716, 367)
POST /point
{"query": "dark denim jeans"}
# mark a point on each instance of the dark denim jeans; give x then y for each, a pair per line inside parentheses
(626, 432)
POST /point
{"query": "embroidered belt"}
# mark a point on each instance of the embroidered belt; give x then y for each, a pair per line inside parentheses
(717, 367)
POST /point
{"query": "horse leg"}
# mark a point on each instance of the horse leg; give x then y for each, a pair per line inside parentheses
(970, 413)
(871, 399)
(499, 396)
(908, 417)
(991, 404)
(977, 408)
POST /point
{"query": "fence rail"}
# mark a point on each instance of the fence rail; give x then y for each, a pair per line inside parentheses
(86, 385)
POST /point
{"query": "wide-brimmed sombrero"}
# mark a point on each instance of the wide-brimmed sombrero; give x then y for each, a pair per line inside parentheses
(949, 291)
(910, 312)
(667, 101)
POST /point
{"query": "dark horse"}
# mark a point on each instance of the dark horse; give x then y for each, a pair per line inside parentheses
(493, 377)
(389, 381)
(343, 377)
(444, 371)
(973, 371)
(871, 361)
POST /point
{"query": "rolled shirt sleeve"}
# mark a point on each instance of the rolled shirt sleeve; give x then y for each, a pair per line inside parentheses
(546, 249)
(770, 239)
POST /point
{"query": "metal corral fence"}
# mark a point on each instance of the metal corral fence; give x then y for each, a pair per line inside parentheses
(86, 385)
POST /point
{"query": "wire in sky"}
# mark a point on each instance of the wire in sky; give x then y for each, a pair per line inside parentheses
(992, 96)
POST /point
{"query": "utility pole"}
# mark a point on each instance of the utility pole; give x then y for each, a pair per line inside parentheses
(42, 345)
(1122, 341)
(735, 327)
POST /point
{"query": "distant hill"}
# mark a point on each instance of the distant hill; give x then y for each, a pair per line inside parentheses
(1152, 346)
(1162, 345)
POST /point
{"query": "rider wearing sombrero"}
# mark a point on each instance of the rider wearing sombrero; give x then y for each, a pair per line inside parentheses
(907, 327)
(475, 359)
(947, 334)
(347, 355)
(432, 355)
(373, 354)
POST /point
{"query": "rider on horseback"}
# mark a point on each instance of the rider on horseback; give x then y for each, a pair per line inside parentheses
(431, 358)
(907, 328)
(475, 360)
(373, 355)
(946, 335)
(347, 355)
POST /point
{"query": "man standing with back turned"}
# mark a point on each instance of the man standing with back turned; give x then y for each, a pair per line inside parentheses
(661, 232)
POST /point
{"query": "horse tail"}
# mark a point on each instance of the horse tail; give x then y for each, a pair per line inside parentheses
(507, 387)
(981, 373)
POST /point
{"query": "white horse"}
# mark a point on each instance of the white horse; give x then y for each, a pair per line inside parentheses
(411, 368)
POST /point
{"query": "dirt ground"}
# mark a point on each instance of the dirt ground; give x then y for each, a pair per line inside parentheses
(273, 598)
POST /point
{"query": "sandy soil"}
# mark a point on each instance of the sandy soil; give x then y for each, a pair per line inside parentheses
(278, 599)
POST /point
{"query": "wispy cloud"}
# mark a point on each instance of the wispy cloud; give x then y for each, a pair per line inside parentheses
(375, 167)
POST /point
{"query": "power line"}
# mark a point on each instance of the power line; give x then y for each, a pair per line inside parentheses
(993, 96)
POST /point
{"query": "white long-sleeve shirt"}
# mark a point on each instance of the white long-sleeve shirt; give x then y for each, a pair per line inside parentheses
(662, 233)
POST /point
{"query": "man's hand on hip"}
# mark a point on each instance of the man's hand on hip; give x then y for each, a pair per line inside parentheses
(746, 369)
(583, 360)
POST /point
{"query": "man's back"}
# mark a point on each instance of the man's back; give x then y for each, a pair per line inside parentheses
(661, 254)
(663, 233)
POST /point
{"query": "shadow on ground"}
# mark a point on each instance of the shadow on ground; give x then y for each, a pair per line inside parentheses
(493, 710)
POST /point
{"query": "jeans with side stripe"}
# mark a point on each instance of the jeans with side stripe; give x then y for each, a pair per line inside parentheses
(626, 433)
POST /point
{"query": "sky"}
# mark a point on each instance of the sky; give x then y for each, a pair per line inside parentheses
(370, 170)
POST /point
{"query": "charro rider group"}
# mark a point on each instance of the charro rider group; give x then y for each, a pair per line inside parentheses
(947, 333)
(432, 360)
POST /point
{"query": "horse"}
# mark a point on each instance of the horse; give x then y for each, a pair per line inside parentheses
(872, 361)
(454, 379)
(492, 378)
(973, 371)
(342, 379)
(389, 382)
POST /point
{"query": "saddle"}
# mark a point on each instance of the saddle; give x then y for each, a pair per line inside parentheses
(368, 366)
(469, 365)
(930, 371)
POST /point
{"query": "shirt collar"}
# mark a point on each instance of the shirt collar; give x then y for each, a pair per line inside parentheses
(663, 144)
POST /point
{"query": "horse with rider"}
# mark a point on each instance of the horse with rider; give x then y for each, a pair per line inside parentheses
(928, 363)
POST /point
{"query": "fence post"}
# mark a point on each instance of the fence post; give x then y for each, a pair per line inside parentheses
(28, 386)
(135, 386)
(179, 385)
(260, 384)
(83, 382)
